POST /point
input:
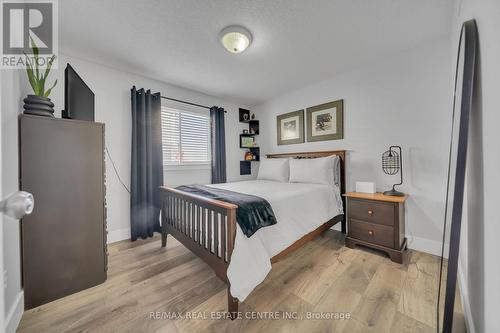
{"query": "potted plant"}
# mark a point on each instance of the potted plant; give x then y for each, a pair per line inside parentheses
(38, 104)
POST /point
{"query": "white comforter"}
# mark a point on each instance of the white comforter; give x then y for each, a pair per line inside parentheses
(299, 208)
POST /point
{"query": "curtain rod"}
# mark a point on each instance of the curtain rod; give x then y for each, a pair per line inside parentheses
(185, 102)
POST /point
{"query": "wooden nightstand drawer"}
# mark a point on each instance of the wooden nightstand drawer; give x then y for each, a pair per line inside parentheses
(371, 211)
(371, 232)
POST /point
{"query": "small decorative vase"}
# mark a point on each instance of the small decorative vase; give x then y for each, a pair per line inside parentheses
(38, 106)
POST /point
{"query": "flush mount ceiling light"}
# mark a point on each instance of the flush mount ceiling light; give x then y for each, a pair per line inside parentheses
(235, 38)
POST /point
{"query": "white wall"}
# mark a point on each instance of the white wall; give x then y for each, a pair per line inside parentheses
(112, 107)
(13, 91)
(404, 100)
(479, 269)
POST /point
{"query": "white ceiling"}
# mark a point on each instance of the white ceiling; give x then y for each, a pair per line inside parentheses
(295, 42)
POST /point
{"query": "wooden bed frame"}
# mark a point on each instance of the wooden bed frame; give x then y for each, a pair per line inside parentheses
(185, 216)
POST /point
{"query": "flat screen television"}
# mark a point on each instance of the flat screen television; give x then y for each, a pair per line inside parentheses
(78, 98)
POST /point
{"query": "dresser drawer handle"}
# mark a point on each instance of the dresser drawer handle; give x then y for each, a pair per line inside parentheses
(370, 232)
(370, 212)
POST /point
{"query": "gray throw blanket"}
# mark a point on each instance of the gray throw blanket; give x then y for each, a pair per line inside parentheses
(252, 213)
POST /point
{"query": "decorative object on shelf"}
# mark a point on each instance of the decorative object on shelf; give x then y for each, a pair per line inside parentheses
(38, 104)
(249, 156)
(392, 163)
(245, 131)
(244, 115)
(247, 141)
(325, 121)
(365, 187)
(253, 116)
(290, 127)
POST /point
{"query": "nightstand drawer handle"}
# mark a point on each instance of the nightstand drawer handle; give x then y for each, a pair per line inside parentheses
(370, 212)
(370, 232)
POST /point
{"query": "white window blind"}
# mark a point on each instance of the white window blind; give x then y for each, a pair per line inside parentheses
(185, 137)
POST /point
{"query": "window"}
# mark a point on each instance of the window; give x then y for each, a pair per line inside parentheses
(185, 137)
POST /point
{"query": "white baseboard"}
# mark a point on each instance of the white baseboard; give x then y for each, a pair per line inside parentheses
(15, 313)
(464, 295)
(118, 235)
(426, 245)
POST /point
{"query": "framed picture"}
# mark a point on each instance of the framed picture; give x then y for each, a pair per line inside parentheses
(247, 141)
(325, 121)
(290, 127)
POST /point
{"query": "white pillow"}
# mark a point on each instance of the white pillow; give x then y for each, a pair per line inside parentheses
(274, 169)
(314, 170)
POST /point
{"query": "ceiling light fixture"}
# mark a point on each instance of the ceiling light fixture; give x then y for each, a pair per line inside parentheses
(235, 38)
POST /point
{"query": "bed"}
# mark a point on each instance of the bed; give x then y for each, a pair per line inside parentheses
(208, 227)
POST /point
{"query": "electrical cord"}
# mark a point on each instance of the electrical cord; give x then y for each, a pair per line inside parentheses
(116, 171)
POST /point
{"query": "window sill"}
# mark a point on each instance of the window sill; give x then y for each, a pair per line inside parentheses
(185, 167)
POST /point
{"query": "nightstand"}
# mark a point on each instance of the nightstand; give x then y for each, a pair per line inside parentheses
(377, 221)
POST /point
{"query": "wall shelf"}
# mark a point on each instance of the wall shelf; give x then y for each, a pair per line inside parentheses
(245, 168)
(253, 130)
(253, 127)
(255, 152)
(244, 115)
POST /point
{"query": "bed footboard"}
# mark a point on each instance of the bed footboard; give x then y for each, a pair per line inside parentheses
(207, 227)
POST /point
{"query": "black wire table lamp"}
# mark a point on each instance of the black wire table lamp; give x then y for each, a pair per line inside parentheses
(392, 163)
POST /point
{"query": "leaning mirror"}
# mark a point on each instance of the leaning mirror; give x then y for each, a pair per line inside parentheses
(448, 299)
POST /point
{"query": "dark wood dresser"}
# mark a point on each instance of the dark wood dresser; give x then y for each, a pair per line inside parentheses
(64, 239)
(377, 221)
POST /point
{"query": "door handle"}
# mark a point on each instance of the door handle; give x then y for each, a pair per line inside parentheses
(17, 204)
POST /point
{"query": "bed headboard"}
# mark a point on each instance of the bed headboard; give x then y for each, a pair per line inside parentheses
(315, 154)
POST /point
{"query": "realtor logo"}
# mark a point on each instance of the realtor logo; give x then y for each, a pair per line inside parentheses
(28, 24)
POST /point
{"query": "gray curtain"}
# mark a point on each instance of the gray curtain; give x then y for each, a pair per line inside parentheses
(147, 165)
(218, 145)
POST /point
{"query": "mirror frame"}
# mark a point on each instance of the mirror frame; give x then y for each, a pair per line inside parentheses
(469, 36)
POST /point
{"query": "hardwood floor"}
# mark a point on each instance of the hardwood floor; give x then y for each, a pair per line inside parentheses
(146, 283)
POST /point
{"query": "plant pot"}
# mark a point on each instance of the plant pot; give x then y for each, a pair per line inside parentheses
(38, 106)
